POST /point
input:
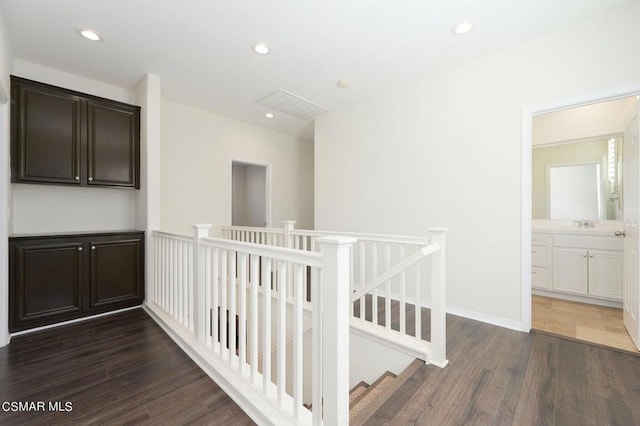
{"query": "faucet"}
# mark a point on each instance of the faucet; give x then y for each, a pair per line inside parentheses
(586, 224)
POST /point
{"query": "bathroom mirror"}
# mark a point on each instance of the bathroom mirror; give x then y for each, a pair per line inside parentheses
(578, 180)
(575, 193)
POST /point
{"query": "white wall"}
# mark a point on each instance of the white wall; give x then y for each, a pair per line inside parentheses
(40, 209)
(5, 70)
(600, 119)
(197, 150)
(446, 151)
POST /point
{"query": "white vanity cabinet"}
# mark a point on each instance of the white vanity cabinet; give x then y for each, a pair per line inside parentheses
(579, 265)
(588, 265)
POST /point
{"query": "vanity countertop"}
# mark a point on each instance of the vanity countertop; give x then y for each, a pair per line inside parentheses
(605, 228)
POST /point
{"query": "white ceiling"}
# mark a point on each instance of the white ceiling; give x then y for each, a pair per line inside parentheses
(201, 49)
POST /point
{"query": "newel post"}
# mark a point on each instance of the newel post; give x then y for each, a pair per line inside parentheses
(335, 305)
(197, 292)
(287, 226)
(438, 298)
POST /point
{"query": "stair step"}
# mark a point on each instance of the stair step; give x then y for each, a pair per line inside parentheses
(371, 392)
(364, 410)
(357, 390)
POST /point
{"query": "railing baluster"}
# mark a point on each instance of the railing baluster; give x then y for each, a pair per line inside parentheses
(253, 312)
(374, 274)
(183, 286)
(191, 279)
(418, 307)
(215, 301)
(242, 321)
(363, 278)
(174, 278)
(316, 351)
(207, 296)
(232, 306)
(403, 296)
(266, 324)
(167, 276)
(222, 313)
(281, 328)
(298, 294)
(387, 299)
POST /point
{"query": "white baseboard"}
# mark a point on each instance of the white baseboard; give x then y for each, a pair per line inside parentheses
(486, 318)
(473, 315)
(73, 321)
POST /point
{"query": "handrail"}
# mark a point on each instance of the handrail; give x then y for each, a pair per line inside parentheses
(284, 254)
(383, 238)
(251, 228)
(395, 270)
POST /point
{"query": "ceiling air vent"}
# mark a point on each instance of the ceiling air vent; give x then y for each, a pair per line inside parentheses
(291, 104)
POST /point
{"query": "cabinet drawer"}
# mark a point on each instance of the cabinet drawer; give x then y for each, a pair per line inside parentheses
(540, 240)
(589, 242)
(539, 278)
(540, 256)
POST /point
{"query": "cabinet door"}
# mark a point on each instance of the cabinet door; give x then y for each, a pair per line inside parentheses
(45, 283)
(45, 134)
(116, 273)
(570, 270)
(605, 274)
(113, 144)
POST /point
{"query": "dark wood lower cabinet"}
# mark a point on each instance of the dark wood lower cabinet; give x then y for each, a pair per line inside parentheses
(54, 278)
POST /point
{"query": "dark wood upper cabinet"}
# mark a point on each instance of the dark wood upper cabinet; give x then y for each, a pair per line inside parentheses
(46, 135)
(113, 144)
(63, 137)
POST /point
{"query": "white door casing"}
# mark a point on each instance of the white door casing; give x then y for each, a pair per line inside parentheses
(631, 197)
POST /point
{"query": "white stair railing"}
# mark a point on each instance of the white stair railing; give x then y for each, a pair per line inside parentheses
(397, 271)
(223, 302)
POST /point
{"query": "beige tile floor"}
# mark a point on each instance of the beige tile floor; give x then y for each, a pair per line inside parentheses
(591, 323)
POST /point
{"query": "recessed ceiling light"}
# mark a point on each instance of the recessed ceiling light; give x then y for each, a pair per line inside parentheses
(89, 35)
(462, 28)
(269, 115)
(261, 49)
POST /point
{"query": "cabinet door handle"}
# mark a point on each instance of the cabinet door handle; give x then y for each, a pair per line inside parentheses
(584, 255)
(93, 247)
(77, 178)
(620, 234)
(533, 272)
(533, 252)
(590, 255)
(90, 179)
(79, 248)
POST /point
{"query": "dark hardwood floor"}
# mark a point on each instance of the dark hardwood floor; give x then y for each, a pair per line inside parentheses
(497, 376)
(120, 369)
(123, 369)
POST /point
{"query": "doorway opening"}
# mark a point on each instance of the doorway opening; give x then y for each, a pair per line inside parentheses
(250, 194)
(573, 245)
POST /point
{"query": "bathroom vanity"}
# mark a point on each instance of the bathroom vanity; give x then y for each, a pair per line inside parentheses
(579, 264)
